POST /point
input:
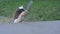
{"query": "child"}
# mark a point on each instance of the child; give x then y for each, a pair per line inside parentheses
(19, 14)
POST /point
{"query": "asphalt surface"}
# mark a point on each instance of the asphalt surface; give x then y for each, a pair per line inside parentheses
(42, 27)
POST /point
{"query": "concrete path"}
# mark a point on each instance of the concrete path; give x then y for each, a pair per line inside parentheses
(42, 27)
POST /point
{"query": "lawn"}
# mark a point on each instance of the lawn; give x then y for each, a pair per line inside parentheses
(41, 10)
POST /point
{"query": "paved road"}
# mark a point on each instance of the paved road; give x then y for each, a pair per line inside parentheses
(42, 27)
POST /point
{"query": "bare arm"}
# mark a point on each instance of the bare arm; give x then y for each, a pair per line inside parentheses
(22, 14)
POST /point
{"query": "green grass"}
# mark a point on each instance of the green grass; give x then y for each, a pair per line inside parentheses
(41, 9)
